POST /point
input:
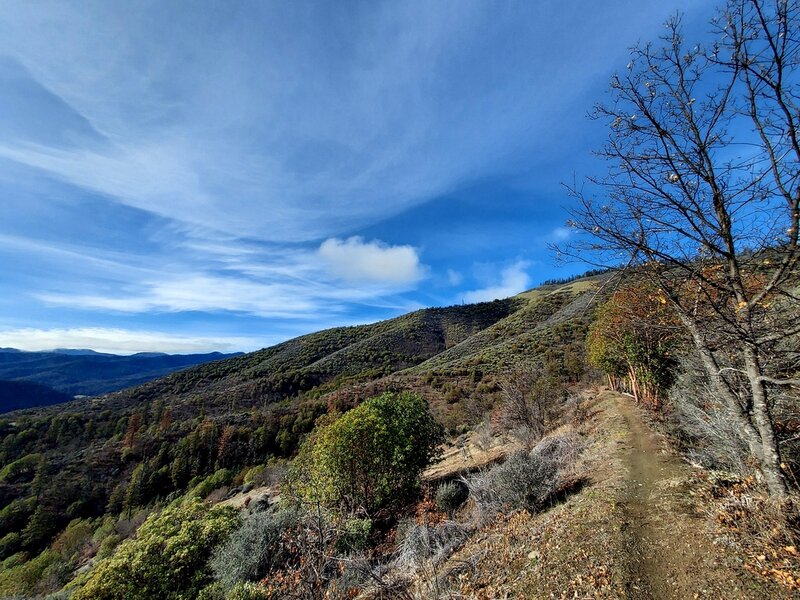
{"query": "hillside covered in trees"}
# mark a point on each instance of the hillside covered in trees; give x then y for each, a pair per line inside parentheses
(631, 433)
(210, 425)
(79, 479)
(16, 395)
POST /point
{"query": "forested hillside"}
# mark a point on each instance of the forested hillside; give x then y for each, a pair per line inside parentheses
(111, 457)
(496, 379)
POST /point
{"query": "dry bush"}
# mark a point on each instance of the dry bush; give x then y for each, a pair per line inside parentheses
(450, 496)
(421, 543)
(126, 527)
(483, 435)
(708, 435)
(423, 551)
(575, 411)
(269, 475)
(254, 549)
(531, 405)
(526, 480)
(787, 417)
(417, 570)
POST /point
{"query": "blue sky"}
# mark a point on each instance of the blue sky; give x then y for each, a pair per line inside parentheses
(222, 176)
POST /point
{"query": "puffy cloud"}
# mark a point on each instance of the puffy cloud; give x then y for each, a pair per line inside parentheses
(513, 280)
(355, 260)
(123, 341)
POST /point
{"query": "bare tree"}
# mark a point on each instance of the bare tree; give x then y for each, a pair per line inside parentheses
(530, 405)
(702, 196)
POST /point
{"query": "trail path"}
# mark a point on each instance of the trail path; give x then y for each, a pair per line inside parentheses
(669, 552)
(635, 529)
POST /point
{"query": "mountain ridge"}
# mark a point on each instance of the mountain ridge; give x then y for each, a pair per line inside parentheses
(89, 373)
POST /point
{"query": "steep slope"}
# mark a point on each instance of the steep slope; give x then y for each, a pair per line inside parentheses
(524, 334)
(323, 361)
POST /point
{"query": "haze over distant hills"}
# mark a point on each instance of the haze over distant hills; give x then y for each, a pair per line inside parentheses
(73, 372)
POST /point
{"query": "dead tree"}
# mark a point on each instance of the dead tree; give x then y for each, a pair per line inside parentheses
(702, 196)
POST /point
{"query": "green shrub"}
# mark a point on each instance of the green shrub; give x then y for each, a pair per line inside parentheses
(220, 478)
(9, 544)
(168, 558)
(74, 539)
(104, 529)
(215, 591)
(370, 457)
(23, 578)
(450, 496)
(354, 535)
(108, 545)
(12, 561)
(14, 515)
(42, 526)
(255, 474)
(22, 469)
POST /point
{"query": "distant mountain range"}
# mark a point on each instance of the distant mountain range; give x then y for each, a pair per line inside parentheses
(64, 373)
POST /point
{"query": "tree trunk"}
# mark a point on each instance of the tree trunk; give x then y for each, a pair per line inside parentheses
(770, 458)
(737, 413)
(634, 384)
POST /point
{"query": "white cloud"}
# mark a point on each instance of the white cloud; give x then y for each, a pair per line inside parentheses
(355, 260)
(152, 177)
(339, 124)
(454, 277)
(513, 280)
(269, 282)
(124, 341)
(197, 293)
(561, 234)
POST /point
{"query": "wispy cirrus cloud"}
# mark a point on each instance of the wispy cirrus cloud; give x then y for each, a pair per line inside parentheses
(223, 120)
(561, 234)
(269, 282)
(454, 277)
(219, 164)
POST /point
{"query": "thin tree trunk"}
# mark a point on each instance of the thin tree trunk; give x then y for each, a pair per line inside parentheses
(770, 457)
(634, 384)
(735, 410)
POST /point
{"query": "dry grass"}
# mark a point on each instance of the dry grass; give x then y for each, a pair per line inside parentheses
(472, 452)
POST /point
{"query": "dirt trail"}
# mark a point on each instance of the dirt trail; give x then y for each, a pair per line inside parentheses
(637, 529)
(669, 553)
